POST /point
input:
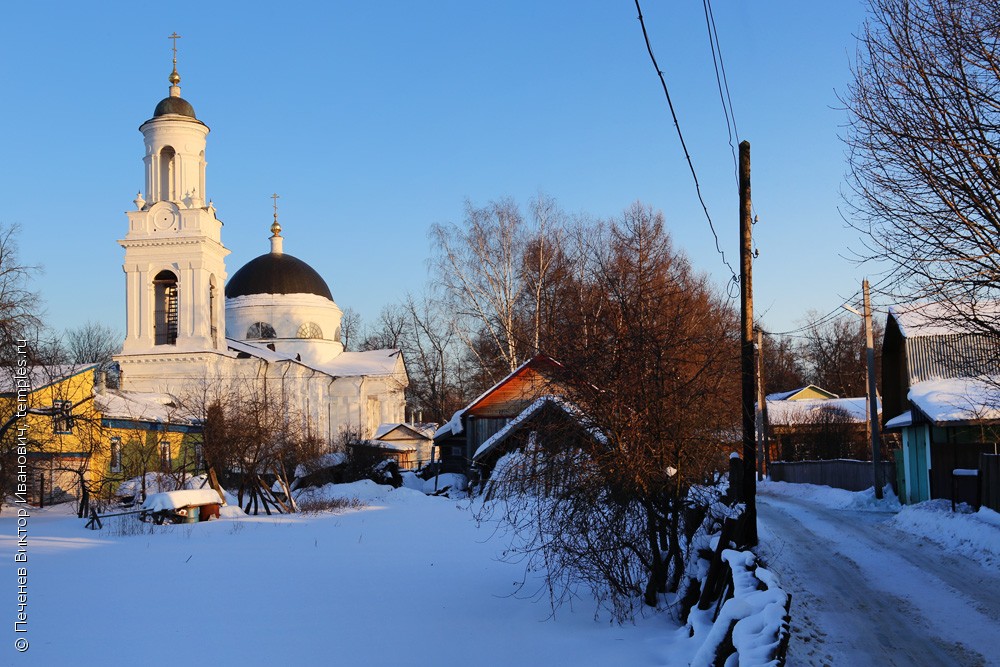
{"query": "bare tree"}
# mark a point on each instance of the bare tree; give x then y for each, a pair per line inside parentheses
(479, 266)
(655, 385)
(93, 343)
(783, 368)
(922, 140)
(387, 333)
(19, 314)
(252, 439)
(350, 329)
(833, 354)
(429, 343)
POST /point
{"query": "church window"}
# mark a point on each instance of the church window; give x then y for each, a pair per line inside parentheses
(261, 330)
(310, 330)
(165, 308)
(168, 173)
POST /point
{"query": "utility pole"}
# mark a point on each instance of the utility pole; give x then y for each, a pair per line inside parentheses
(763, 450)
(872, 392)
(749, 374)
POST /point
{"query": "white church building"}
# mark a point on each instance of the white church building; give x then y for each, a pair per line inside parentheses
(275, 322)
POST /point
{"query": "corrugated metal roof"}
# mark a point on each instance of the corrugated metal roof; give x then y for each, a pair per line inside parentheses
(952, 356)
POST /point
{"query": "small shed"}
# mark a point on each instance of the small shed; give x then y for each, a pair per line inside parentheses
(415, 437)
(941, 381)
(187, 505)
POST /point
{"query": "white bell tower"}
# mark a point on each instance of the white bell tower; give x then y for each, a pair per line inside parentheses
(174, 258)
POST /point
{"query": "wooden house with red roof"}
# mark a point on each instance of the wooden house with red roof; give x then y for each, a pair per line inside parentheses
(458, 440)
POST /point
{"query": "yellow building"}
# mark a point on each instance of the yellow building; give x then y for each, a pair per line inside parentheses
(75, 432)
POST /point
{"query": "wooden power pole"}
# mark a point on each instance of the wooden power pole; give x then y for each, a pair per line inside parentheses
(872, 392)
(763, 448)
(749, 371)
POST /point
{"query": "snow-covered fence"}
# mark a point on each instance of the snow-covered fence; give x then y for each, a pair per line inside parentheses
(739, 615)
(742, 612)
(839, 473)
(989, 479)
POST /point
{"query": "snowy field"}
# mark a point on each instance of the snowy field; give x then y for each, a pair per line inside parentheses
(408, 580)
(411, 580)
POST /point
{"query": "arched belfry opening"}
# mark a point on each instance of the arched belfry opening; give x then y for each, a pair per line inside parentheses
(168, 173)
(165, 308)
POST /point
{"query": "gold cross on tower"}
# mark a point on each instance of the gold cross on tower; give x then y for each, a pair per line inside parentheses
(275, 227)
(175, 78)
(174, 37)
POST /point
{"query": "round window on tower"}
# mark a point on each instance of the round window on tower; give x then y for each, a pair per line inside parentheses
(261, 330)
(310, 330)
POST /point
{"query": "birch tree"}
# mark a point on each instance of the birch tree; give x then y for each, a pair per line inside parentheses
(922, 139)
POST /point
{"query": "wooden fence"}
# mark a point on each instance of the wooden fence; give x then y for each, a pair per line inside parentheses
(840, 473)
(989, 480)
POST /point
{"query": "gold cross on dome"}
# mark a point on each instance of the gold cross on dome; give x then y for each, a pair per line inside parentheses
(174, 37)
(275, 226)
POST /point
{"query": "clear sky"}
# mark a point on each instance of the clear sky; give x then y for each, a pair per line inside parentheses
(375, 120)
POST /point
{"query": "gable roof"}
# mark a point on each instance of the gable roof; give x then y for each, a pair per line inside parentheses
(145, 407)
(538, 362)
(923, 319)
(809, 392)
(425, 431)
(535, 408)
(790, 413)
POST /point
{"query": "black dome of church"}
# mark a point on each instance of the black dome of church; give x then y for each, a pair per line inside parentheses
(276, 273)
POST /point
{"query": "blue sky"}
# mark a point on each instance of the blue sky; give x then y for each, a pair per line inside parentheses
(374, 121)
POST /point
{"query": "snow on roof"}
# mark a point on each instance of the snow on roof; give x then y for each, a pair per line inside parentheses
(140, 406)
(43, 376)
(372, 362)
(806, 411)
(259, 351)
(528, 412)
(393, 446)
(345, 364)
(785, 395)
(940, 319)
(454, 425)
(171, 500)
(904, 419)
(417, 430)
(958, 399)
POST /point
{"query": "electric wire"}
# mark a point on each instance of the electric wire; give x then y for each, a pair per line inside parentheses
(687, 155)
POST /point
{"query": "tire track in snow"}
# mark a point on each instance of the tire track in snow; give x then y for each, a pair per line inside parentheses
(860, 597)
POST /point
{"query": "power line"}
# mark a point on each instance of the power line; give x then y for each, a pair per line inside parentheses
(680, 136)
(828, 317)
(722, 82)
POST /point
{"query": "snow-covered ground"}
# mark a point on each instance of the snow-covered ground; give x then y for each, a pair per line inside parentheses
(873, 584)
(407, 580)
(410, 579)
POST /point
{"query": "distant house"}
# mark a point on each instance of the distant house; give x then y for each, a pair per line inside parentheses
(458, 440)
(941, 385)
(811, 423)
(409, 445)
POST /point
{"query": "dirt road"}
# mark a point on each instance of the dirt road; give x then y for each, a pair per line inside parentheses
(864, 593)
